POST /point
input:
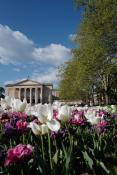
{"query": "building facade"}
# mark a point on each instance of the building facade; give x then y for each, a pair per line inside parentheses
(33, 91)
(55, 94)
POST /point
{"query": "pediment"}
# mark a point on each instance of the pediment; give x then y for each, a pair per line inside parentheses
(27, 82)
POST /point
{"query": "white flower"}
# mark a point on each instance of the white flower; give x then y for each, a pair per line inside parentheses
(111, 109)
(114, 109)
(53, 125)
(30, 110)
(90, 114)
(18, 105)
(56, 105)
(38, 129)
(64, 113)
(44, 113)
(91, 117)
(94, 120)
(6, 103)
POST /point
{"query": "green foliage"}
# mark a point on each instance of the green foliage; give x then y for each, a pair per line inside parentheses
(2, 92)
(80, 151)
(94, 64)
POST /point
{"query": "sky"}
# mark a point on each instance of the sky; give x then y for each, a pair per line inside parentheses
(36, 38)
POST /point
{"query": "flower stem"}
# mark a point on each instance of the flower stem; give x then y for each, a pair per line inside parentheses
(50, 156)
(42, 147)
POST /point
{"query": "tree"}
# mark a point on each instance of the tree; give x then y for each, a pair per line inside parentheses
(2, 92)
(96, 52)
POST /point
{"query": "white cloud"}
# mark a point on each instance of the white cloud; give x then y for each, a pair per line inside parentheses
(54, 54)
(49, 76)
(17, 48)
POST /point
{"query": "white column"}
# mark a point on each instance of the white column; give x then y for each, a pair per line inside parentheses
(36, 96)
(19, 93)
(7, 92)
(30, 95)
(25, 93)
(50, 96)
(14, 93)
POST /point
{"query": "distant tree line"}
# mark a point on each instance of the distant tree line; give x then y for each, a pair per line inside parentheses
(2, 91)
(92, 71)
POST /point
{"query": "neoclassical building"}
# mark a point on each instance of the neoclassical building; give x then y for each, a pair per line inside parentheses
(33, 91)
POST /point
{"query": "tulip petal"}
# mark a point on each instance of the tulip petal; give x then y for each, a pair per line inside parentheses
(53, 125)
(95, 120)
(35, 128)
(44, 129)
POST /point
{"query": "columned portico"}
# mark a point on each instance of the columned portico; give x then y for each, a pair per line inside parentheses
(32, 91)
(31, 94)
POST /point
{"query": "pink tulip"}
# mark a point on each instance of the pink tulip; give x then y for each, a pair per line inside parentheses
(18, 154)
(20, 125)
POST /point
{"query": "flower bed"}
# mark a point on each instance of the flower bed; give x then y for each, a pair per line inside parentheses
(57, 140)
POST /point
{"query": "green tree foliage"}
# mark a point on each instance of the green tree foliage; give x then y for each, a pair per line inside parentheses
(2, 92)
(96, 53)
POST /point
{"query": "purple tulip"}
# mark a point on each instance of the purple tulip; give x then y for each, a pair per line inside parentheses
(10, 131)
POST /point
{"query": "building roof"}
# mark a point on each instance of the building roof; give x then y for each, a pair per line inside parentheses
(28, 82)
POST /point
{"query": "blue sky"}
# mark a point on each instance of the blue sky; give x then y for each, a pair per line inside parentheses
(35, 38)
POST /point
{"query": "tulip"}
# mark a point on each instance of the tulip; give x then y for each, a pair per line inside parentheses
(111, 109)
(19, 154)
(21, 126)
(64, 113)
(6, 103)
(44, 114)
(56, 105)
(38, 129)
(18, 105)
(91, 117)
(94, 120)
(114, 109)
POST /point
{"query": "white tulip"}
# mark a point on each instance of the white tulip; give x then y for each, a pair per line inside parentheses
(114, 109)
(38, 129)
(64, 113)
(30, 110)
(44, 113)
(111, 109)
(94, 120)
(56, 105)
(53, 125)
(90, 114)
(18, 105)
(107, 109)
(6, 103)
(91, 117)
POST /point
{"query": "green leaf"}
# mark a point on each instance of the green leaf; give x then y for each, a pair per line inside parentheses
(55, 157)
(104, 167)
(88, 159)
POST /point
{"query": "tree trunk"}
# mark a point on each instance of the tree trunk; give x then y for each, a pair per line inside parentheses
(106, 98)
